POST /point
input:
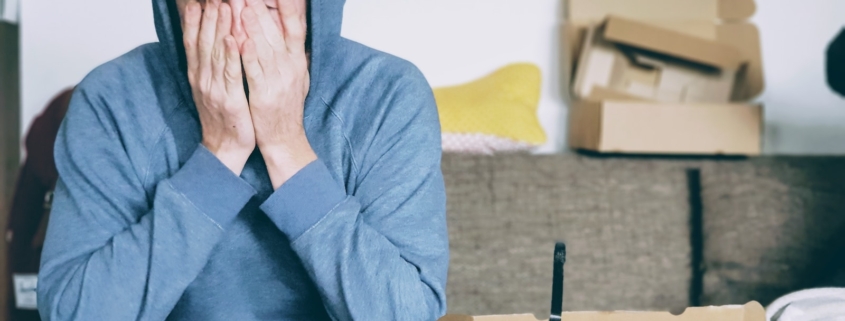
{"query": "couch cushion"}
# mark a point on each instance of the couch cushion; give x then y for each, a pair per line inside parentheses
(772, 226)
(625, 221)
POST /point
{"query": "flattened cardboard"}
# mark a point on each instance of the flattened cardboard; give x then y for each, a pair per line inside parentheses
(643, 35)
(752, 311)
(651, 128)
(719, 20)
(699, 70)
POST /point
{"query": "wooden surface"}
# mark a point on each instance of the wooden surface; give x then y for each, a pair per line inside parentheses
(9, 141)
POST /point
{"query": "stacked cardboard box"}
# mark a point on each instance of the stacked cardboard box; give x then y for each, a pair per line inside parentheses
(663, 76)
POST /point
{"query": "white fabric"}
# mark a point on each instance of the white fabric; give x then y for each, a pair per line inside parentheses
(824, 304)
(475, 143)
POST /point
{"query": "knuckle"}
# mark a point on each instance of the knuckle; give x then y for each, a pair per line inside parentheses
(230, 76)
(217, 53)
(194, 84)
(204, 89)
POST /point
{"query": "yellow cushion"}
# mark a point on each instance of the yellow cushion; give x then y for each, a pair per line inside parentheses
(502, 104)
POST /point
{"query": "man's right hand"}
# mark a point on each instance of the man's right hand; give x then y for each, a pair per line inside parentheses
(214, 71)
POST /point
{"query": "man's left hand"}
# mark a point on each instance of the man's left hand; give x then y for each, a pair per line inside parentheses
(276, 67)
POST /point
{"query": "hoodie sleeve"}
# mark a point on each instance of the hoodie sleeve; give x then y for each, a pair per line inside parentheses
(381, 253)
(112, 252)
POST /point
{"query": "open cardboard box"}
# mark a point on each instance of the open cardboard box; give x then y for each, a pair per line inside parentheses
(752, 311)
(639, 59)
(605, 119)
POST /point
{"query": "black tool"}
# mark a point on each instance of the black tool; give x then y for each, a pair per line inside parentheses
(557, 282)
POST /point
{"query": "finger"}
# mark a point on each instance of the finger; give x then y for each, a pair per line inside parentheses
(252, 68)
(208, 33)
(190, 29)
(237, 24)
(219, 59)
(264, 51)
(232, 74)
(292, 15)
(224, 22)
(269, 28)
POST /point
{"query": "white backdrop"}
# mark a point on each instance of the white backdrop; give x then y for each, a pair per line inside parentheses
(453, 41)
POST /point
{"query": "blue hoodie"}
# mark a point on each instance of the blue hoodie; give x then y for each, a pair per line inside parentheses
(148, 225)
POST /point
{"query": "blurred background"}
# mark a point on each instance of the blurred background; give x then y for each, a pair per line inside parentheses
(457, 41)
(654, 232)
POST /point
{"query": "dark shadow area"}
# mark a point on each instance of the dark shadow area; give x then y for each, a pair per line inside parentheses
(593, 154)
(696, 237)
(9, 140)
(772, 226)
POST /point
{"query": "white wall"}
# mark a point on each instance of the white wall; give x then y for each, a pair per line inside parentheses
(803, 115)
(453, 41)
(61, 41)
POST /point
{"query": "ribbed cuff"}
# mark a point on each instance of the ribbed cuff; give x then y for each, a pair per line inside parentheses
(212, 187)
(304, 200)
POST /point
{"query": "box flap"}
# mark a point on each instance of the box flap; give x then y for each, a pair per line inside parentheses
(736, 10)
(688, 10)
(600, 93)
(679, 15)
(456, 317)
(746, 38)
(752, 311)
(647, 36)
(515, 317)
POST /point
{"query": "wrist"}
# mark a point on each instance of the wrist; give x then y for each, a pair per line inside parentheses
(233, 158)
(285, 160)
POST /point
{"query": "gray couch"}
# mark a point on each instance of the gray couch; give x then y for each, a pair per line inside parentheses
(642, 233)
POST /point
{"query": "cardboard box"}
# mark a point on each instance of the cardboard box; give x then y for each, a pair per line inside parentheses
(733, 128)
(651, 62)
(620, 126)
(750, 312)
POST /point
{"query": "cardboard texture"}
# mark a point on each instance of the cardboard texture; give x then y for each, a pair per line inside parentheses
(752, 311)
(618, 126)
(688, 69)
(660, 39)
(658, 57)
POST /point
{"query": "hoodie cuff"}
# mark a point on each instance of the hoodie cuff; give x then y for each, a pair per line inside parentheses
(212, 187)
(304, 200)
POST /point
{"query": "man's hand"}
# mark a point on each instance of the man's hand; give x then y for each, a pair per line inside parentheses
(214, 71)
(276, 69)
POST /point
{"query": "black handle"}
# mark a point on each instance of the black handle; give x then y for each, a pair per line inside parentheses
(557, 282)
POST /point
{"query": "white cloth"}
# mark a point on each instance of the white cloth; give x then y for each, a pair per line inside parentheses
(824, 304)
(484, 144)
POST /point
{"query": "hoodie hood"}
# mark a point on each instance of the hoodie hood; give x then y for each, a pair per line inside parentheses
(325, 18)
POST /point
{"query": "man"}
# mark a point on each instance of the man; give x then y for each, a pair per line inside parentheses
(313, 194)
